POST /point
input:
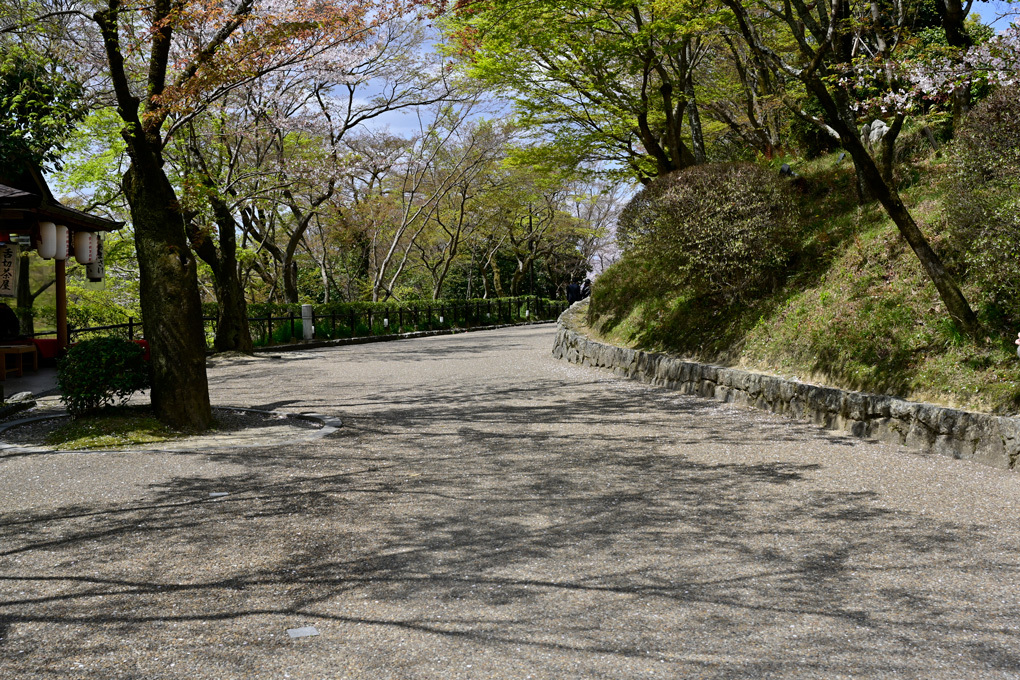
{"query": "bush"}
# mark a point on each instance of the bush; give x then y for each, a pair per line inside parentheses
(713, 230)
(100, 371)
(982, 206)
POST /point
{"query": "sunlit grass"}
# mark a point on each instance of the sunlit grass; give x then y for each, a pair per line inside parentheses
(111, 429)
(855, 311)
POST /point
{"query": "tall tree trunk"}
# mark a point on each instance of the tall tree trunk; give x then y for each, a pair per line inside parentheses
(887, 149)
(171, 307)
(497, 281)
(870, 176)
(232, 331)
(168, 280)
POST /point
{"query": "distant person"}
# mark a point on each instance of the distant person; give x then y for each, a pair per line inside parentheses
(573, 293)
(585, 289)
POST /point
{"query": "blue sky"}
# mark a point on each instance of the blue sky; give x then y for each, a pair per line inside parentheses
(990, 10)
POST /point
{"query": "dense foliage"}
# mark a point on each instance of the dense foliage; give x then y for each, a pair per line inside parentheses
(99, 372)
(39, 106)
(718, 229)
(983, 203)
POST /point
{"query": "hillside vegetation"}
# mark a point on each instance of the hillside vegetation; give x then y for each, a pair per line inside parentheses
(853, 307)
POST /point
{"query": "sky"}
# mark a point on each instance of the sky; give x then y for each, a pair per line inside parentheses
(989, 11)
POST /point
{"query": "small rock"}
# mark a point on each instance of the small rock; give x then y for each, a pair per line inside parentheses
(307, 631)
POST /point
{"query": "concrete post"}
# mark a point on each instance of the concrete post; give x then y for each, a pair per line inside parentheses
(307, 329)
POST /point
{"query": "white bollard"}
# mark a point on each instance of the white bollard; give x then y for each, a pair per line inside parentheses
(307, 329)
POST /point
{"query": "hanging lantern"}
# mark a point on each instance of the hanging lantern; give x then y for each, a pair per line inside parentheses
(47, 240)
(63, 245)
(85, 247)
(96, 269)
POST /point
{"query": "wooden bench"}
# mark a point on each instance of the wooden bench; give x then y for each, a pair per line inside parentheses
(19, 351)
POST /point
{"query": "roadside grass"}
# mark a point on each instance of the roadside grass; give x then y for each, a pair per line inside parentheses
(111, 428)
(855, 309)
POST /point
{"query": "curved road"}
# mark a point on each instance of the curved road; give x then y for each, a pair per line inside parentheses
(489, 512)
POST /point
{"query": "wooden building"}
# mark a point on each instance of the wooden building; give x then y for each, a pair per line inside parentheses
(32, 219)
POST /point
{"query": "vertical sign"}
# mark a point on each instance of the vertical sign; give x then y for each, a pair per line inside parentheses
(8, 270)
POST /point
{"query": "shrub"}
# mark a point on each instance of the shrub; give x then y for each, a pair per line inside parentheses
(713, 230)
(982, 207)
(100, 371)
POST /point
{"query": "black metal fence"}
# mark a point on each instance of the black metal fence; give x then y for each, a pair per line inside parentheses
(354, 322)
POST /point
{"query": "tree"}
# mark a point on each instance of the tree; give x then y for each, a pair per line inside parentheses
(39, 106)
(276, 152)
(607, 80)
(827, 35)
(402, 183)
(165, 63)
(455, 217)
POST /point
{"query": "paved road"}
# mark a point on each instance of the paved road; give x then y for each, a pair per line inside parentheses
(489, 512)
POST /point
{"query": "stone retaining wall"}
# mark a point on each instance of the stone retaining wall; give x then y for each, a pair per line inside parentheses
(990, 440)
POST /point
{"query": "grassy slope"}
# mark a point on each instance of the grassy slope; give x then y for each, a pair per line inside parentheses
(856, 310)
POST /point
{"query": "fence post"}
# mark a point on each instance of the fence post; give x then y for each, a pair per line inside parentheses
(269, 327)
(131, 328)
(307, 322)
(332, 324)
(370, 322)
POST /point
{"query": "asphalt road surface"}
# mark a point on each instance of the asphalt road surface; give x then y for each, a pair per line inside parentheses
(489, 512)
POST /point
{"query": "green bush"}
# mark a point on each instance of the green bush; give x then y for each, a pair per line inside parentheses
(721, 230)
(97, 372)
(982, 207)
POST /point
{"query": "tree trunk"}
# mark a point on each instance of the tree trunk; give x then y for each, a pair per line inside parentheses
(497, 281)
(887, 149)
(290, 281)
(870, 177)
(171, 308)
(232, 331)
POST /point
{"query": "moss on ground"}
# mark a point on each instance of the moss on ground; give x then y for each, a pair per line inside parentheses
(110, 429)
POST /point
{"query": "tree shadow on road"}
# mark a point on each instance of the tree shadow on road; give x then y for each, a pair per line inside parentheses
(520, 526)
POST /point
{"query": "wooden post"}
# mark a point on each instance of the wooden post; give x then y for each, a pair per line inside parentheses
(61, 275)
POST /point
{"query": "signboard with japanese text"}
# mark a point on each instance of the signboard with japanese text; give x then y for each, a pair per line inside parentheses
(8, 270)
